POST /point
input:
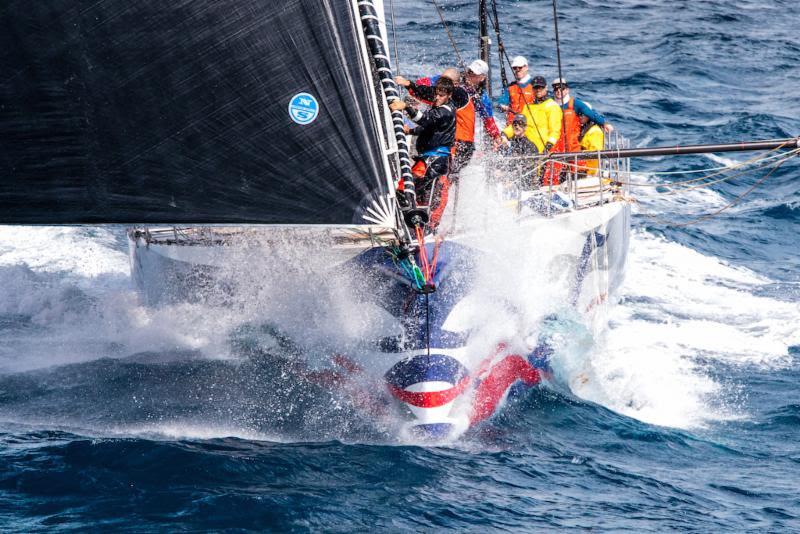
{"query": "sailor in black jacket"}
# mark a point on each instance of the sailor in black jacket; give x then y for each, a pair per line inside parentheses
(435, 131)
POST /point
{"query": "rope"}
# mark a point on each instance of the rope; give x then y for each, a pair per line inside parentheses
(423, 255)
(723, 208)
(450, 36)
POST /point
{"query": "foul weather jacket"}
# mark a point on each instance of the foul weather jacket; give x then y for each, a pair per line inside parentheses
(515, 97)
(544, 123)
(582, 108)
(435, 130)
(465, 105)
(592, 139)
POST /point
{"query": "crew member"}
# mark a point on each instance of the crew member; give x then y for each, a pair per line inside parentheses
(469, 100)
(518, 92)
(435, 131)
(543, 116)
(592, 139)
(519, 149)
(571, 108)
(474, 81)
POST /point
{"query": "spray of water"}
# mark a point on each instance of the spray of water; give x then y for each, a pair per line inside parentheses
(288, 305)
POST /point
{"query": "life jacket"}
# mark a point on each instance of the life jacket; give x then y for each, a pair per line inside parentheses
(517, 98)
(572, 128)
(465, 122)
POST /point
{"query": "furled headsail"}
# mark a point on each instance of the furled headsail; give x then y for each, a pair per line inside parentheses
(211, 111)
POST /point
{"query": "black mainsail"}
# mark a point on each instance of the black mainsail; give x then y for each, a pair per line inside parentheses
(208, 111)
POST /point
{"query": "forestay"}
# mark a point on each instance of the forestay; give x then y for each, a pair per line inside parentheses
(211, 111)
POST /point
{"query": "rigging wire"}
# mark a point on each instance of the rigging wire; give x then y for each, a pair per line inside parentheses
(501, 49)
(560, 75)
(682, 187)
(394, 37)
(428, 323)
(461, 63)
(712, 214)
(721, 170)
(757, 160)
(503, 53)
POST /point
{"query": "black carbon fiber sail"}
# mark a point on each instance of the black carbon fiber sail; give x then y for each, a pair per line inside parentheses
(205, 111)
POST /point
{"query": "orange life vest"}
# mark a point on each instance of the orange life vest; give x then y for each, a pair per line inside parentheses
(517, 98)
(465, 122)
(572, 128)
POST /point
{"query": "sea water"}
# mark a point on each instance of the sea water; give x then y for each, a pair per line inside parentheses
(681, 412)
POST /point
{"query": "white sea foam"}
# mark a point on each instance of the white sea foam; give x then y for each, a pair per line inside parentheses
(72, 286)
(680, 312)
(192, 431)
(727, 162)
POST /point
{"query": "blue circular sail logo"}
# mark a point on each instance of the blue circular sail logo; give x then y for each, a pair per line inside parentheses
(303, 108)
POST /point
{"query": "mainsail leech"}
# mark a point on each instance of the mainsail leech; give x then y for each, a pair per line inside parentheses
(370, 21)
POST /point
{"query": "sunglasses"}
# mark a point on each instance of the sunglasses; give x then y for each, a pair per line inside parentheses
(540, 87)
(559, 87)
(518, 68)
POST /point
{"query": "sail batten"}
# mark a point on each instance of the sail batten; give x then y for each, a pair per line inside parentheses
(195, 112)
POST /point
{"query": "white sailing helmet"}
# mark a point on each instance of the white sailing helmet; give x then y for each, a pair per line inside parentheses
(559, 81)
(479, 67)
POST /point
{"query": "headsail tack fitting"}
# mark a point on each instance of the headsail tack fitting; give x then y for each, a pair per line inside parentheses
(370, 21)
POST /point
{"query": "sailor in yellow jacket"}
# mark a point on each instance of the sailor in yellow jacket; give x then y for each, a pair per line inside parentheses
(543, 116)
(592, 139)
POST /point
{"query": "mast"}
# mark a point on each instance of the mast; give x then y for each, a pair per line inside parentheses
(485, 43)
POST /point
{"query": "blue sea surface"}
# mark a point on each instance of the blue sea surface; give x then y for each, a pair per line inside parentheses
(114, 417)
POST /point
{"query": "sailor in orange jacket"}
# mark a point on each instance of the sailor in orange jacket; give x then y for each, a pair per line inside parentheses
(469, 101)
(518, 92)
(572, 108)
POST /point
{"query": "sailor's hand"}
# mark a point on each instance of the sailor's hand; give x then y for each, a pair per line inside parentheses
(406, 129)
(399, 80)
(503, 107)
(500, 141)
(397, 105)
(608, 127)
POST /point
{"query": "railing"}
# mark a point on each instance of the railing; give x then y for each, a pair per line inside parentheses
(586, 189)
(579, 187)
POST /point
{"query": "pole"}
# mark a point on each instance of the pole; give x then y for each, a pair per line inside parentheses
(791, 143)
(485, 44)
